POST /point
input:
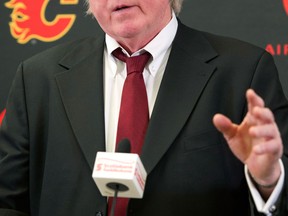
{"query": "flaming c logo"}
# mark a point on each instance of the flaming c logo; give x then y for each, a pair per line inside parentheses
(285, 3)
(29, 21)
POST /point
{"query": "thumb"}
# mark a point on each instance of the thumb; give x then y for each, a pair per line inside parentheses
(224, 125)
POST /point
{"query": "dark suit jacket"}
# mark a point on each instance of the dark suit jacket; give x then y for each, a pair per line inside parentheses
(55, 125)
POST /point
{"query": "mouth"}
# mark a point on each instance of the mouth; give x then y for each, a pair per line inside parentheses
(121, 7)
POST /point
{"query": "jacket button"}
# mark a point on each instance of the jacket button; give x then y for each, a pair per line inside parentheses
(98, 214)
(272, 209)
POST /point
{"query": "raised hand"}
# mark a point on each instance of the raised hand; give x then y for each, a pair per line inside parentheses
(256, 141)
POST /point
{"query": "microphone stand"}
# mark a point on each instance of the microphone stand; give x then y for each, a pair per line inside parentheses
(116, 187)
(114, 200)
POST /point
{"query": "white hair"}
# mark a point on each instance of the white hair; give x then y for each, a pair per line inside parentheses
(176, 5)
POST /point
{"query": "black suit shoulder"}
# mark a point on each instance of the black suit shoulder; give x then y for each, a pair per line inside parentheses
(223, 45)
(50, 58)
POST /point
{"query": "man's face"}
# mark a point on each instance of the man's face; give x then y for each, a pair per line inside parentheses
(128, 20)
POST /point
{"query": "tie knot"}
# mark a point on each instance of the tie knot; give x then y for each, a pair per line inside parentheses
(134, 63)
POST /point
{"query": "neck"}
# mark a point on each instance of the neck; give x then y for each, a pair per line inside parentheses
(132, 45)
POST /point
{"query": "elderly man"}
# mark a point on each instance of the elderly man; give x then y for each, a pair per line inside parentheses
(76, 99)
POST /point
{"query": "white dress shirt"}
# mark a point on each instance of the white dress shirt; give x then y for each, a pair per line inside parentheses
(115, 74)
(114, 77)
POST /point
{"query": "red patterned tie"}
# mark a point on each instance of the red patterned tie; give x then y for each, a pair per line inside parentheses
(134, 113)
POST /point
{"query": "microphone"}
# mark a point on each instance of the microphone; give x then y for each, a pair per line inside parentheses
(121, 173)
(124, 146)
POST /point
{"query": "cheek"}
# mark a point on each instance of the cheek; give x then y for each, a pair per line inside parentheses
(97, 8)
(99, 12)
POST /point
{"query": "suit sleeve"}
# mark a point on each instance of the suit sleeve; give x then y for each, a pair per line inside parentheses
(267, 84)
(14, 153)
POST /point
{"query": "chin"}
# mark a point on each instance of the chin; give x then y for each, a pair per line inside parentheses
(128, 32)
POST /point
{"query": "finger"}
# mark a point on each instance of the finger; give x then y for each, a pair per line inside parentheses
(253, 100)
(263, 115)
(266, 131)
(273, 147)
(250, 119)
(224, 125)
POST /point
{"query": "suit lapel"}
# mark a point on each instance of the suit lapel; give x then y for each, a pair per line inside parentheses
(184, 79)
(81, 89)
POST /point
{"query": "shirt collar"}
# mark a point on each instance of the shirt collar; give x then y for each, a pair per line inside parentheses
(164, 39)
(157, 47)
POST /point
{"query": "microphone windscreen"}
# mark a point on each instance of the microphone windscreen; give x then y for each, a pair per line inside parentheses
(124, 146)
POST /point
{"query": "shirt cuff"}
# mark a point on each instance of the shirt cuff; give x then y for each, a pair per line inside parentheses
(268, 207)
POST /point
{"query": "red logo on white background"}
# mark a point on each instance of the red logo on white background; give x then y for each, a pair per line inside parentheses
(285, 3)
